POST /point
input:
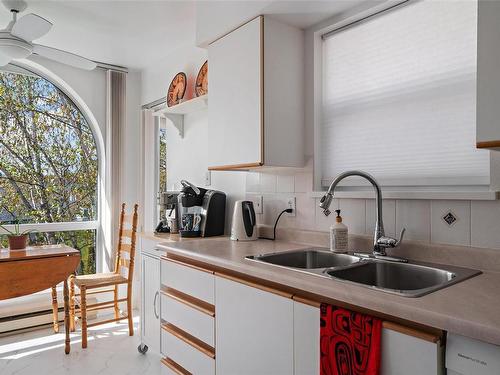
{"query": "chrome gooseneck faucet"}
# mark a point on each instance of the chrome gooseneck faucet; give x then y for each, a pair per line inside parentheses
(380, 240)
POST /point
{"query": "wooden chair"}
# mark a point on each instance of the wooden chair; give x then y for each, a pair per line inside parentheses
(93, 284)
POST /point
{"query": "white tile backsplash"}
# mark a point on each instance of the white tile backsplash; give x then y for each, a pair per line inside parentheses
(267, 183)
(389, 216)
(305, 217)
(457, 233)
(353, 212)
(252, 182)
(485, 224)
(303, 182)
(285, 183)
(478, 222)
(415, 216)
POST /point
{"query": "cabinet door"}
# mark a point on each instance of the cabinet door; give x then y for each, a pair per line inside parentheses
(409, 354)
(150, 314)
(306, 326)
(235, 110)
(254, 330)
(488, 75)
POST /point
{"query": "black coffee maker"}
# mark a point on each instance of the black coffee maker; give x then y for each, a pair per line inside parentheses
(202, 212)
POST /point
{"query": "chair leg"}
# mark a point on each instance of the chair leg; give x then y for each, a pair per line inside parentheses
(117, 311)
(83, 308)
(129, 311)
(72, 303)
(55, 311)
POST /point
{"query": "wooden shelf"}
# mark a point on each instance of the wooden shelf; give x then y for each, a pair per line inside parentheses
(176, 113)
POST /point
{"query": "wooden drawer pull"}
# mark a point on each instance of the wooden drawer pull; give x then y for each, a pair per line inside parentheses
(190, 340)
(187, 264)
(307, 301)
(256, 285)
(426, 336)
(190, 301)
(175, 367)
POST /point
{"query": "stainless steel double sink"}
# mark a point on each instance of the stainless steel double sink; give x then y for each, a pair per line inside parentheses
(412, 279)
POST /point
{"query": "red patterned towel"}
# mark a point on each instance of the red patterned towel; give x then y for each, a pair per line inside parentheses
(350, 342)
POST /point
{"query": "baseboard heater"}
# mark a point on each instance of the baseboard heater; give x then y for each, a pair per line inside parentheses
(36, 319)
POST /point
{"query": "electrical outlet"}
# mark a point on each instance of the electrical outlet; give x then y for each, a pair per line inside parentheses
(258, 204)
(208, 178)
(291, 203)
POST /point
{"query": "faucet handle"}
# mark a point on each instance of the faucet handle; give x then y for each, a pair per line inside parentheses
(401, 235)
(386, 242)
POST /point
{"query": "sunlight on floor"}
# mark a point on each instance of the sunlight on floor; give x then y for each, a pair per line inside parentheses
(110, 351)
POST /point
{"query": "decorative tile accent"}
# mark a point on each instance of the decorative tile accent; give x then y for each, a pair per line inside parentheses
(449, 218)
(450, 222)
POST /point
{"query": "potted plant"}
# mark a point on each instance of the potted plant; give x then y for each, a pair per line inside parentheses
(17, 239)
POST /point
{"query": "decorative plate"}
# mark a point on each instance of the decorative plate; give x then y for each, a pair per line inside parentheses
(201, 87)
(177, 89)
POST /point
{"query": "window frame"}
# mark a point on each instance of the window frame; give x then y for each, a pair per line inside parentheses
(356, 188)
(103, 230)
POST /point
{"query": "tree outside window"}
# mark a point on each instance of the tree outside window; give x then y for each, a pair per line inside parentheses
(48, 162)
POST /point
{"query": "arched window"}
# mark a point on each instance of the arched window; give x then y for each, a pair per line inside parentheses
(49, 165)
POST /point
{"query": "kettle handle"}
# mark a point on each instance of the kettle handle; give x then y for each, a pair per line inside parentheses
(248, 217)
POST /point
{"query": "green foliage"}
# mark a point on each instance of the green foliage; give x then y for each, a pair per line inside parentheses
(48, 161)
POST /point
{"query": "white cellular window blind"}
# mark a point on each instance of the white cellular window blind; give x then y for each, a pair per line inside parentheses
(399, 97)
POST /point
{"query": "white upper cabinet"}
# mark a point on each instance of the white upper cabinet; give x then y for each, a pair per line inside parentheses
(488, 75)
(256, 111)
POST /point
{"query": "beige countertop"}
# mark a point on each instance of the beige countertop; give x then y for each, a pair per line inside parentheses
(470, 308)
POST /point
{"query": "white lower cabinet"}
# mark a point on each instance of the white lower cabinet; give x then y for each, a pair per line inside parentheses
(410, 354)
(254, 330)
(402, 353)
(150, 302)
(306, 339)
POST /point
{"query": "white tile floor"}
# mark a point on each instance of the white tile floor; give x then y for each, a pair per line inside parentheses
(110, 351)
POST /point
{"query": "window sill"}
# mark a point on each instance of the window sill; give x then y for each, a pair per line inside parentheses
(431, 195)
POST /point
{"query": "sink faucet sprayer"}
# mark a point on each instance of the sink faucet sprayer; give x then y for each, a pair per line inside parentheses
(380, 240)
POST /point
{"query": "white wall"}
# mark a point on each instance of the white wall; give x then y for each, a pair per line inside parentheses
(187, 158)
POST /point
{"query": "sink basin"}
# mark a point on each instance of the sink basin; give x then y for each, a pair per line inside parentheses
(411, 280)
(307, 259)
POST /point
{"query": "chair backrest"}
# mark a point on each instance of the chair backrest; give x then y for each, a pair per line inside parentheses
(125, 254)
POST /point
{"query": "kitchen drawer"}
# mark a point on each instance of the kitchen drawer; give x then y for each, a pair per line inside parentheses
(189, 353)
(170, 367)
(191, 280)
(194, 317)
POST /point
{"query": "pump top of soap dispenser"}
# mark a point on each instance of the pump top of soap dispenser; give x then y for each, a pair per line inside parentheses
(338, 219)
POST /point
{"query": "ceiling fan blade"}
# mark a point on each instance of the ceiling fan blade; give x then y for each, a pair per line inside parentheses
(30, 27)
(64, 57)
(4, 60)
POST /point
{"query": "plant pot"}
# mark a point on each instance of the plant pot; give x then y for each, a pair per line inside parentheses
(18, 242)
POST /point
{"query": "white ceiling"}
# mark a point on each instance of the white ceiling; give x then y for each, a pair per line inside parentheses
(126, 33)
(135, 33)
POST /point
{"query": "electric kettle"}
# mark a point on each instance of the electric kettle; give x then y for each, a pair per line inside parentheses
(244, 226)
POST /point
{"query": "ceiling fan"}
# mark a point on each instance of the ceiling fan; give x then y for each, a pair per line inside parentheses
(16, 40)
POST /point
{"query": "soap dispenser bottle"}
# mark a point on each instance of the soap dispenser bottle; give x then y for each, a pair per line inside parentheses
(338, 235)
